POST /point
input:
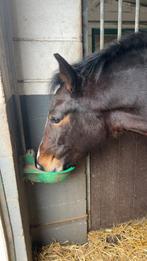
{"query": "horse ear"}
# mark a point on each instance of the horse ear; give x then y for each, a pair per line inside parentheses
(67, 74)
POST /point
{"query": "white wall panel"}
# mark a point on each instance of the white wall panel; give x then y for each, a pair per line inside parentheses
(41, 28)
(37, 60)
(53, 19)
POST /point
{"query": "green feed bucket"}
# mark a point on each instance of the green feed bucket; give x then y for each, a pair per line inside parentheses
(34, 175)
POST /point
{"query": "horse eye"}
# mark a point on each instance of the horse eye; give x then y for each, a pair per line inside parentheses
(54, 120)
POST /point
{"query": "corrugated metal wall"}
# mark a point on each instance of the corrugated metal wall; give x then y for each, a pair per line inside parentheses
(41, 28)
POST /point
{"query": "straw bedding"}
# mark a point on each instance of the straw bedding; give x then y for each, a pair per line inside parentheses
(126, 242)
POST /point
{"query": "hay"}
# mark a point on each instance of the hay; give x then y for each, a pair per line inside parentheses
(126, 242)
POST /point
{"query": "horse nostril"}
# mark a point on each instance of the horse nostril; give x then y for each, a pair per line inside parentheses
(39, 166)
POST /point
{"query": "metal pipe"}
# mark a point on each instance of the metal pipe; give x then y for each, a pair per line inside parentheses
(27, 39)
(101, 24)
(85, 26)
(137, 10)
(119, 25)
(85, 52)
(88, 179)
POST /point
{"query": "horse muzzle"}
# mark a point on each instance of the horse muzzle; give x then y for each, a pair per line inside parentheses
(48, 162)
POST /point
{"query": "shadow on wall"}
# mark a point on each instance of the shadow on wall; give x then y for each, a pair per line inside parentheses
(34, 113)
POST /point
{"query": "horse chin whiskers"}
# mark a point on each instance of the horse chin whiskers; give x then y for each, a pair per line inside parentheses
(54, 170)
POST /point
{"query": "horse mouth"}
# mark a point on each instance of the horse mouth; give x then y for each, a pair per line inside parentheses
(67, 166)
(49, 163)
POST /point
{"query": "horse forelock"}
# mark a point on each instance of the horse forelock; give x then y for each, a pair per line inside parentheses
(55, 83)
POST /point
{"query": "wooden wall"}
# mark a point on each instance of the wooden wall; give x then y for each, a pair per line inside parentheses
(119, 181)
(118, 176)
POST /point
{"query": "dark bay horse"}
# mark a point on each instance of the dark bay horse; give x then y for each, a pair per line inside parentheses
(104, 94)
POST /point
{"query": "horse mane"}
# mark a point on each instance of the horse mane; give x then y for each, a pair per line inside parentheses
(94, 64)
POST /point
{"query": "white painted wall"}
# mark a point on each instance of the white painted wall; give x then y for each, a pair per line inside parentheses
(42, 28)
(7, 169)
(7, 152)
(3, 246)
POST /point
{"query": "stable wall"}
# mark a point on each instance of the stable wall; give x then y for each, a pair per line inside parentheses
(111, 17)
(118, 180)
(12, 204)
(41, 28)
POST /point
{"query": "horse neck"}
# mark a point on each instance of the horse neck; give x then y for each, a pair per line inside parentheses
(110, 95)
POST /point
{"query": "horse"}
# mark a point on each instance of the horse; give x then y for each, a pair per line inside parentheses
(101, 96)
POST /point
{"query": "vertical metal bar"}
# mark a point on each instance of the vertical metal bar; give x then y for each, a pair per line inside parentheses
(4, 216)
(137, 9)
(85, 52)
(85, 26)
(20, 123)
(101, 24)
(119, 25)
(88, 175)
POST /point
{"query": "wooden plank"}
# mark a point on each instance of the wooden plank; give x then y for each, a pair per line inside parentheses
(140, 178)
(119, 181)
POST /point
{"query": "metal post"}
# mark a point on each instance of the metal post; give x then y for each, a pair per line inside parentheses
(137, 9)
(85, 27)
(101, 24)
(119, 28)
(85, 52)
